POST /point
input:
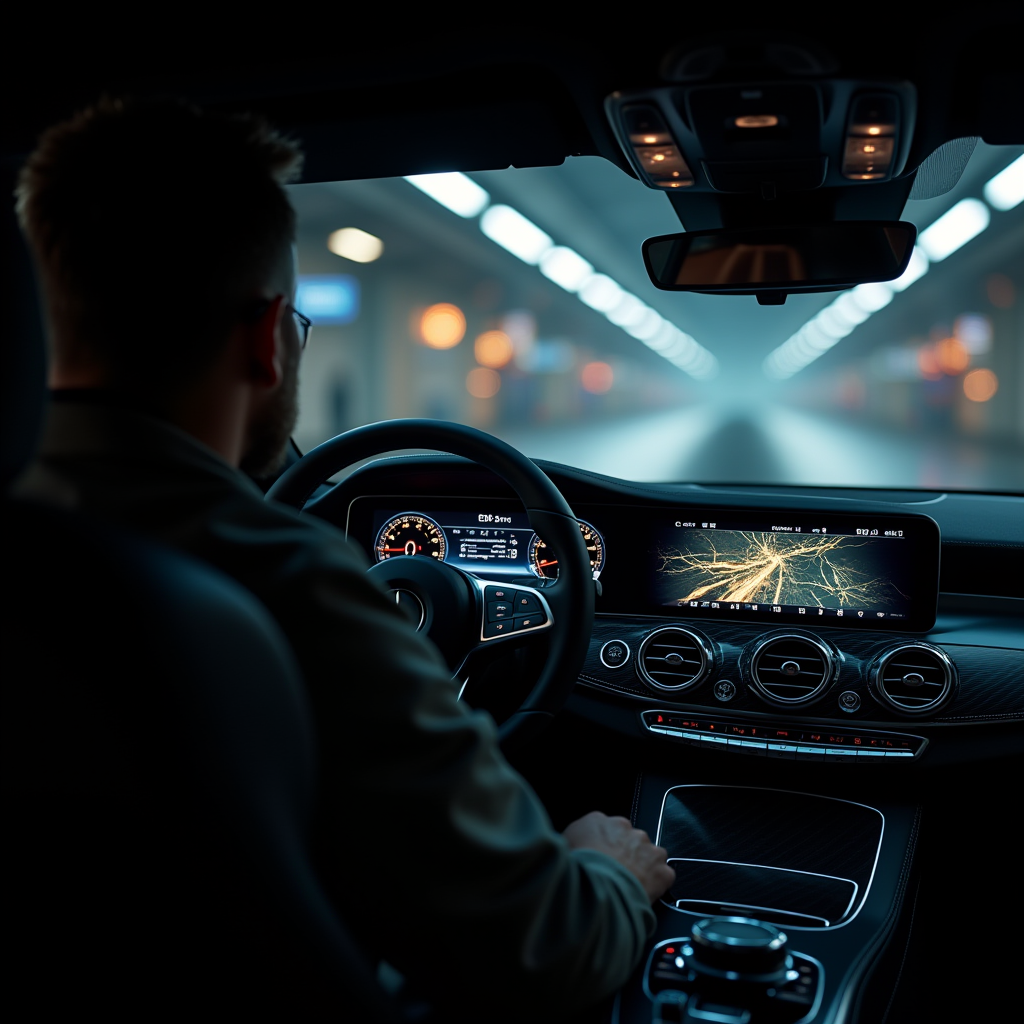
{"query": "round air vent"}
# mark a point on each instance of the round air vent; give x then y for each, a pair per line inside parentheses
(791, 669)
(673, 659)
(915, 679)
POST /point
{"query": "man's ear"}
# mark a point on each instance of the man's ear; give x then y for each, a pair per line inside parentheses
(265, 345)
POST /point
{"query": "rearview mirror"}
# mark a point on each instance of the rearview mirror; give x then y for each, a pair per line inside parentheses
(766, 260)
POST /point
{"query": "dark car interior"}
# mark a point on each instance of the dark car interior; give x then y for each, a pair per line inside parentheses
(835, 781)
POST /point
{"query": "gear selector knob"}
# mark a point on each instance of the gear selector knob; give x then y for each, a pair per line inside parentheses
(739, 948)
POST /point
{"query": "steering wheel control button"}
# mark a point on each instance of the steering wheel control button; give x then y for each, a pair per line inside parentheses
(526, 603)
(493, 629)
(497, 610)
(530, 621)
(614, 654)
(849, 701)
(498, 594)
(725, 690)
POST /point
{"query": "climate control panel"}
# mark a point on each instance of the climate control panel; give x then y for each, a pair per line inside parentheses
(797, 742)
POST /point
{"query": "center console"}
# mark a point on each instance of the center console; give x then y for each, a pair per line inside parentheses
(784, 902)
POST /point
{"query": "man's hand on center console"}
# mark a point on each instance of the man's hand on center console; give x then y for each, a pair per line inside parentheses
(631, 847)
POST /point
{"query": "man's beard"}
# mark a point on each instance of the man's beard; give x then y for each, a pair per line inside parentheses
(269, 434)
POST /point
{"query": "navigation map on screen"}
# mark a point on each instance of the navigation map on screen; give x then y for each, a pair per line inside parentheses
(755, 569)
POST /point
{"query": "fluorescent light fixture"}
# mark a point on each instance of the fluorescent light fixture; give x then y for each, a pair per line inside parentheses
(601, 293)
(566, 267)
(356, 245)
(956, 227)
(1006, 189)
(453, 190)
(628, 312)
(916, 268)
(851, 309)
(512, 231)
(872, 297)
(328, 298)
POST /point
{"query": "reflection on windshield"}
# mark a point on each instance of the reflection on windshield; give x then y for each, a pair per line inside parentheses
(517, 301)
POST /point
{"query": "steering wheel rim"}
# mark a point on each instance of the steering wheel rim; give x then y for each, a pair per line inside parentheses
(571, 597)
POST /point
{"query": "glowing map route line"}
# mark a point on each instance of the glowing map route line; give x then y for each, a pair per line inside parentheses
(768, 568)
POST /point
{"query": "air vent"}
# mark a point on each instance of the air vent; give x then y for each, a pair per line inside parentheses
(915, 679)
(673, 659)
(791, 669)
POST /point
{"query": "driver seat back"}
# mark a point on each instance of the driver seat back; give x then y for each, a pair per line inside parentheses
(158, 783)
(158, 767)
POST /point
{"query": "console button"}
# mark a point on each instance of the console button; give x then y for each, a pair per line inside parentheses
(725, 690)
(614, 654)
(840, 754)
(810, 753)
(493, 629)
(691, 737)
(784, 750)
(905, 754)
(713, 742)
(525, 602)
(849, 701)
(750, 746)
(866, 756)
(498, 610)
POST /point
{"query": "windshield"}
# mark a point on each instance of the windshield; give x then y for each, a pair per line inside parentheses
(516, 301)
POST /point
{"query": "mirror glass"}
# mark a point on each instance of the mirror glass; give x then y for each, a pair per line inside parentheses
(783, 258)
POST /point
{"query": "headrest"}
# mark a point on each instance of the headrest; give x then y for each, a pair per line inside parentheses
(22, 351)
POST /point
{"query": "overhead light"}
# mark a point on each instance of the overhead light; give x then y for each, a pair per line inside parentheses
(443, 326)
(566, 268)
(356, 245)
(453, 190)
(601, 293)
(1006, 189)
(756, 121)
(956, 227)
(629, 311)
(512, 231)
(872, 297)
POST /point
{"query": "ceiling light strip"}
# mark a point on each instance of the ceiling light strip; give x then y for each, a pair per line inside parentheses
(518, 235)
(955, 228)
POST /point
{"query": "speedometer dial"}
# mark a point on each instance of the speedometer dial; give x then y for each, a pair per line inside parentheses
(544, 564)
(410, 534)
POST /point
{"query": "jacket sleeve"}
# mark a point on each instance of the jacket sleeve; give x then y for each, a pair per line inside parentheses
(434, 848)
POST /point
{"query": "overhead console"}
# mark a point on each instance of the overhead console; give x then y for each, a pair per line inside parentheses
(765, 120)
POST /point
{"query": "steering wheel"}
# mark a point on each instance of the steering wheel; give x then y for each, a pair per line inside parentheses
(462, 613)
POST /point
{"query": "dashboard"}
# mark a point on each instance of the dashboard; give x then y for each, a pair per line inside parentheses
(863, 628)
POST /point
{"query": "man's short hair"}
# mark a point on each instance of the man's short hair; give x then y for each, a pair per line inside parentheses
(152, 225)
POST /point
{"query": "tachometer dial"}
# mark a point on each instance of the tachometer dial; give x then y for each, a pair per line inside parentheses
(544, 564)
(410, 534)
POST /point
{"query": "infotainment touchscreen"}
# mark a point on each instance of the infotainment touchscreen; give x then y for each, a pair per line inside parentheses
(795, 566)
(872, 570)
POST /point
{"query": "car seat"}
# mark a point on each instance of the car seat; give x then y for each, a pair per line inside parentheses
(158, 768)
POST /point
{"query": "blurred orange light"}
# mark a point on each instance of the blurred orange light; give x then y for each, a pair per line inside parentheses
(597, 378)
(443, 326)
(952, 356)
(483, 383)
(493, 349)
(874, 131)
(928, 363)
(980, 385)
(651, 139)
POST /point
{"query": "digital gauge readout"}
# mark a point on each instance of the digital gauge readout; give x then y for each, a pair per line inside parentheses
(544, 564)
(410, 534)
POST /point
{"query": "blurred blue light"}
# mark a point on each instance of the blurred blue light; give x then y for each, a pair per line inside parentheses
(328, 298)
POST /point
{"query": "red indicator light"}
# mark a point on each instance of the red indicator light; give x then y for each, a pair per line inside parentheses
(660, 719)
(856, 741)
(670, 949)
(781, 732)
